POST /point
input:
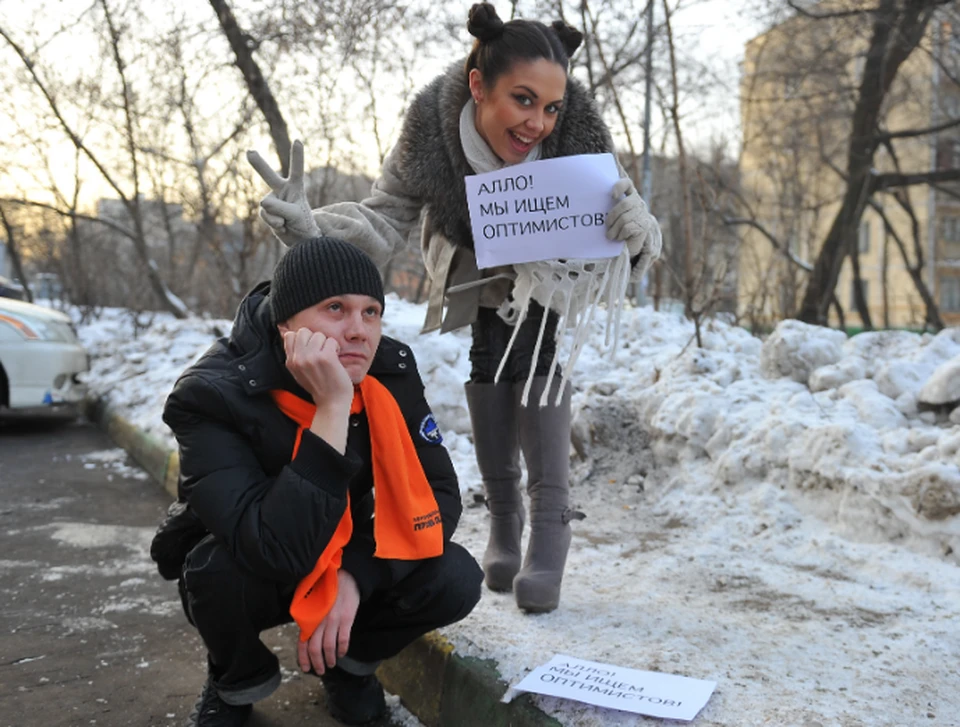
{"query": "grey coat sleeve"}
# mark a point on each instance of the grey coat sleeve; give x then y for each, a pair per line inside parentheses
(380, 224)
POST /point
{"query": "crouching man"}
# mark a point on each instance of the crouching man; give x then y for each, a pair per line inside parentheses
(313, 475)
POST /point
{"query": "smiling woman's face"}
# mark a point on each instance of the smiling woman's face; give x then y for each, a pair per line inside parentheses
(521, 109)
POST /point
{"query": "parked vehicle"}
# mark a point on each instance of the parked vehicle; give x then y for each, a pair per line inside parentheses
(41, 360)
(10, 289)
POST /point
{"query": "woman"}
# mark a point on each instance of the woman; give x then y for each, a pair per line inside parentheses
(509, 103)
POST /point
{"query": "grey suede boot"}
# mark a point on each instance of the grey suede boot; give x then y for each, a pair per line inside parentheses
(496, 442)
(545, 442)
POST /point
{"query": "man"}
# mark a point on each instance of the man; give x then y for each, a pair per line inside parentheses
(314, 472)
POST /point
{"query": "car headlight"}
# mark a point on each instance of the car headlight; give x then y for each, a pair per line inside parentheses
(32, 329)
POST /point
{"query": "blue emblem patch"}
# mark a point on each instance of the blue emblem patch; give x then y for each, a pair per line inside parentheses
(430, 431)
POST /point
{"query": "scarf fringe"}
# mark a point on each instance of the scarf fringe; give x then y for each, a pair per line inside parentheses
(573, 289)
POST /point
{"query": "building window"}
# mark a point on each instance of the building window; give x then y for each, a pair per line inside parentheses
(853, 293)
(863, 238)
(951, 108)
(858, 65)
(950, 295)
(950, 230)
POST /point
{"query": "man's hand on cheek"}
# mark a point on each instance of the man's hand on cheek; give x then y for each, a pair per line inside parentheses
(313, 359)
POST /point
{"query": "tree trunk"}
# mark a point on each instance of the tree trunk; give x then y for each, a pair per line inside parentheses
(78, 272)
(256, 83)
(914, 269)
(859, 299)
(885, 278)
(15, 255)
(81, 285)
(839, 309)
(686, 212)
(894, 37)
(132, 204)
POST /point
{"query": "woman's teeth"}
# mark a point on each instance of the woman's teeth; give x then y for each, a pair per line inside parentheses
(521, 139)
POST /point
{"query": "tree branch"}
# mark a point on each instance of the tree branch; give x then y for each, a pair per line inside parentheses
(73, 214)
(880, 182)
(759, 227)
(51, 102)
(800, 10)
(912, 133)
(256, 83)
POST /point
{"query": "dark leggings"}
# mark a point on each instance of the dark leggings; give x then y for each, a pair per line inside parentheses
(491, 334)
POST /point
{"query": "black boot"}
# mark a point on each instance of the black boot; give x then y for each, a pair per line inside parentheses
(211, 711)
(352, 699)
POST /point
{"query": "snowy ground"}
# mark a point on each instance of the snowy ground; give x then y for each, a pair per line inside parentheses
(778, 517)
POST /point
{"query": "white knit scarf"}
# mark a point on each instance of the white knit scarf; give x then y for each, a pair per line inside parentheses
(479, 154)
(572, 288)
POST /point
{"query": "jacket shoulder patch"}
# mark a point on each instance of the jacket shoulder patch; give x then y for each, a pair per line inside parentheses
(430, 431)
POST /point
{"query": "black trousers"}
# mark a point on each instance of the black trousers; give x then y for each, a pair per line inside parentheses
(230, 607)
(491, 335)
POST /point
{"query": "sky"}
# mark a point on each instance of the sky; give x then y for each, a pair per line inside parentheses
(777, 516)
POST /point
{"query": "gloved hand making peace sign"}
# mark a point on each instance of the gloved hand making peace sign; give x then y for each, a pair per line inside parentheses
(286, 210)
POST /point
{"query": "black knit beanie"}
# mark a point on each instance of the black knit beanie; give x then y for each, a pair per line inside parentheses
(317, 269)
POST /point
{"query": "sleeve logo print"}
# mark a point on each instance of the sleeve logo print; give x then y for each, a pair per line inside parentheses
(429, 430)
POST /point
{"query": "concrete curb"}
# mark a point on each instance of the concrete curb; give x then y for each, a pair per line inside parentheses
(442, 688)
(445, 689)
(161, 464)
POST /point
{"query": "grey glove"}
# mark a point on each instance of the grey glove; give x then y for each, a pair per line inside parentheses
(285, 209)
(630, 221)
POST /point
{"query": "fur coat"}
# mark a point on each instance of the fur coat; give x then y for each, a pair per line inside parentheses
(422, 185)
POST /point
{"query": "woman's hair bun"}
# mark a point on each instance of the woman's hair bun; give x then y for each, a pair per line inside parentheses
(483, 22)
(570, 37)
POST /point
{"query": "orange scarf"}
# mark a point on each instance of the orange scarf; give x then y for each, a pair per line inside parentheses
(406, 515)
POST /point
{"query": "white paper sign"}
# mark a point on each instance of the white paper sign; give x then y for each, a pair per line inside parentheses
(616, 687)
(543, 210)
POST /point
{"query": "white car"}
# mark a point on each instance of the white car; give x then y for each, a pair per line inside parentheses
(41, 360)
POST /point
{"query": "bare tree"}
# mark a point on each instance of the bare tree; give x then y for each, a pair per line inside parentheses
(828, 84)
(341, 73)
(243, 46)
(154, 118)
(896, 32)
(143, 124)
(13, 250)
(130, 197)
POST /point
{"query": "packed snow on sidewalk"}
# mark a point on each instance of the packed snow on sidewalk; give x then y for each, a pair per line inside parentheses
(781, 516)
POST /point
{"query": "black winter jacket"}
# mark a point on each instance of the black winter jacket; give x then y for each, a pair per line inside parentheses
(276, 515)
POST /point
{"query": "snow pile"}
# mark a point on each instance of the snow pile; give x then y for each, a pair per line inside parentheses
(133, 365)
(943, 388)
(815, 412)
(792, 352)
(780, 516)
